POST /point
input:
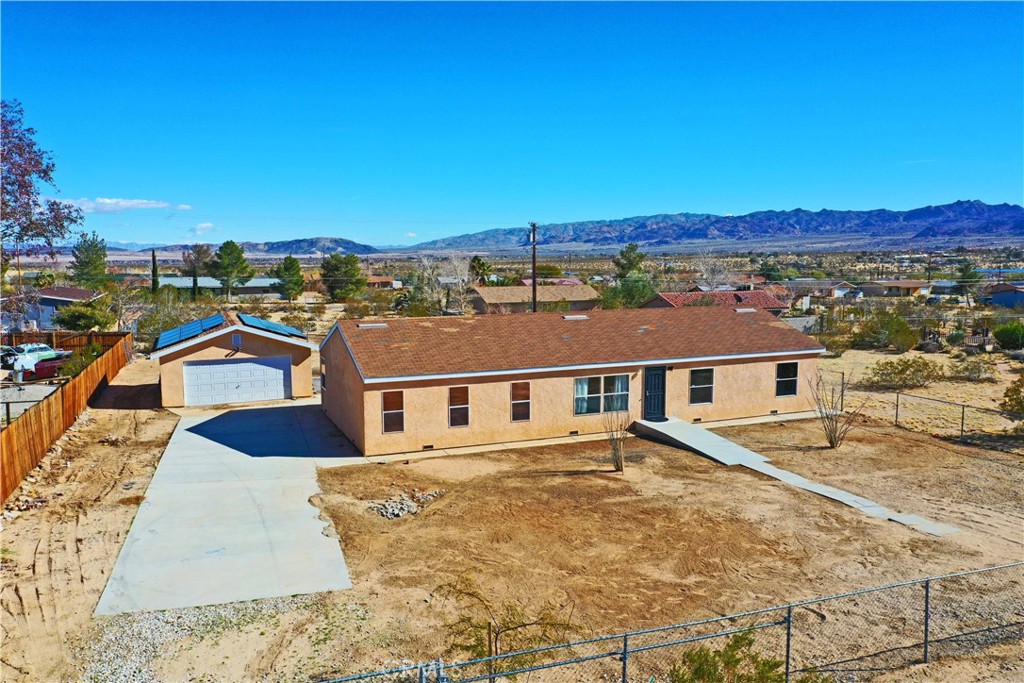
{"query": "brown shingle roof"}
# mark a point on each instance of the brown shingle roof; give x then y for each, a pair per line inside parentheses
(545, 293)
(496, 343)
(68, 293)
(755, 298)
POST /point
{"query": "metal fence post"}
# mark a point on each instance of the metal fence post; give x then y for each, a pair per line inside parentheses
(897, 409)
(789, 639)
(927, 616)
(7, 409)
(423, 673)
(625, 658)
(842, 391)
(963, 419)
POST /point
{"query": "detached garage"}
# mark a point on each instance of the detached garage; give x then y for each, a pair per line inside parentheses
(232, 358)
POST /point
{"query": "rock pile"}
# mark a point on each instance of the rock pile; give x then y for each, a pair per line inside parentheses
(405, 504)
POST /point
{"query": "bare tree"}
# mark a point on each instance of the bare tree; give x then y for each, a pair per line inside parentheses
(443, 284)
(829, 402)
(127, 302)
(616, 427)
(713, 271)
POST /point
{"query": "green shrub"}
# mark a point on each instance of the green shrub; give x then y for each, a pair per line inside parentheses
(884, 329)
(904, 373)
(1013, 399)
(1010, 335)
(955, 338)
(836, 344)
(973, 369)
(736, 662)
(81, 360)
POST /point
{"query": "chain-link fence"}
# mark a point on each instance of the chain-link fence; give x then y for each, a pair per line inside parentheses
(844, 638)
(985, 427)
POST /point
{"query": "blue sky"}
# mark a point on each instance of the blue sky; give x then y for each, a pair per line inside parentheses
(397, 123)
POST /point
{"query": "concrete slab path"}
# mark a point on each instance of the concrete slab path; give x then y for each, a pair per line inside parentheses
(696, 438)
(227, 515)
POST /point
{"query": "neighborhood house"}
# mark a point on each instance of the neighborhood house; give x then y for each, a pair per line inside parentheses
(420, 384)
(747, 298)
(519, 298)
(39, 314)
(232, 358)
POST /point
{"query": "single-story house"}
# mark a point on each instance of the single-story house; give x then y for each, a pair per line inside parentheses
(896, 288)
(747, 298)
(232, 358)
(528, 281)
(1007, 295)
(944, 287)
(39, 314)
(417, 384)
(382, 282)
(257, 286)
(519, 299)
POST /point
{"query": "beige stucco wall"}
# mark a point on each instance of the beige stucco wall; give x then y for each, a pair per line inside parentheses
(172, 377)
(341, 394)
(742, 389)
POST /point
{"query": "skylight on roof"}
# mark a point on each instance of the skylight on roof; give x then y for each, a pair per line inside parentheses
(371, 325)
(575, 317)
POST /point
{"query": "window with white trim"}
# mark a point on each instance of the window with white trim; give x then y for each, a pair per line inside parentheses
(786, 378)
(458, 406)
(608, 394)
(520, 401)
(702, 386)
(393, 411)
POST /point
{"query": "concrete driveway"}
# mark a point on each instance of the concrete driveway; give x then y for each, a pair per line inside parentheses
(227, 516)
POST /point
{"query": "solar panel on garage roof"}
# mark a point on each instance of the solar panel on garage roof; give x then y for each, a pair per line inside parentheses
(268, 326)
(187, 331)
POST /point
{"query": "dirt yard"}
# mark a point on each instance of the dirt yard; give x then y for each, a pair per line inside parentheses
(676, 538)
(56, 558)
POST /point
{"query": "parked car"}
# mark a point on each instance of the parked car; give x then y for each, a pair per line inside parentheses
(35, 352)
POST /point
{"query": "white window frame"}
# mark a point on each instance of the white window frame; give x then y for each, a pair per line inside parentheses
(383, 424)
(691, 386)
(513, 402)
(602, 395)
(794, 380)
(466, 406)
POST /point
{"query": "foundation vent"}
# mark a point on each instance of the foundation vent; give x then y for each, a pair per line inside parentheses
(775, 412)
(574, 432)
(429, 447)
(696, 419)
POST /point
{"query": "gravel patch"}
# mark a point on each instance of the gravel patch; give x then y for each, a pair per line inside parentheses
(128, 643)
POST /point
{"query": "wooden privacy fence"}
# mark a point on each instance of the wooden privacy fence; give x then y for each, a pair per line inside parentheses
(26, 440)
(71, 341)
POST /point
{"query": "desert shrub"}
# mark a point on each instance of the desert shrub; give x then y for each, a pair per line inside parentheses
(955, 338)
(252, 305)
(318, 310)
(81, 360)
(929, 346)
(295, 319)
(973, 369)
(836, 344)
(884, 329)
(904, 373)
(1013, 399)
(1015, 355)
(737, 661)
(1010, 335)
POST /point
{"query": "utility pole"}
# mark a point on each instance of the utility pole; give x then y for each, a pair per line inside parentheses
(533, 240)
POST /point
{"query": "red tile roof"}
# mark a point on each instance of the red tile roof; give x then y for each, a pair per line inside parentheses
(754, 299)
(411, 347)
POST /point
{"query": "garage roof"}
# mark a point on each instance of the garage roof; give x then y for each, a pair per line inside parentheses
(183, 336)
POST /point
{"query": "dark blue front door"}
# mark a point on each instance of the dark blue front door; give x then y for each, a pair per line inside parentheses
(654, 393)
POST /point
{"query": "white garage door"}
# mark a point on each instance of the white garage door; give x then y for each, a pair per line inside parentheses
(210, 382)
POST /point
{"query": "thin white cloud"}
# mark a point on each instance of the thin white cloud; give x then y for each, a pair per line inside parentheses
(410, 234)
(199, 229)
(115, 205)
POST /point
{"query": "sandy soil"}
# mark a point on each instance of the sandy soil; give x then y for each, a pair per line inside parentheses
(56, 559)
(927, 416)
(675, 538)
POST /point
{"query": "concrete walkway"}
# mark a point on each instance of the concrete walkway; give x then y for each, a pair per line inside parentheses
(227, 515)
(696, 438)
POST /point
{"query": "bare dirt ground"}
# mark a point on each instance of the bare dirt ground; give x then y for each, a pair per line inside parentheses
(675, 538)
(56, 559)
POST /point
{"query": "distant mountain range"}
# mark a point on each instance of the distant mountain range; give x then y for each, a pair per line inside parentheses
(309, 246)
(962, 222)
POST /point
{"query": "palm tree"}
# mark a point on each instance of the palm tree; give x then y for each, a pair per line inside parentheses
(480, 269)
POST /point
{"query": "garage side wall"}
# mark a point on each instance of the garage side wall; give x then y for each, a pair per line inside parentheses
(172, 383)
(341, 395)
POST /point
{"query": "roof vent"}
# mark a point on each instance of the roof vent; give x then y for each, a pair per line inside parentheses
(745, 310)
(371, 326)
(575, 317)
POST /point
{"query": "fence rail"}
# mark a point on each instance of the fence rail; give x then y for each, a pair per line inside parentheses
(849, 637)
(26, 440)
(70, 341)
